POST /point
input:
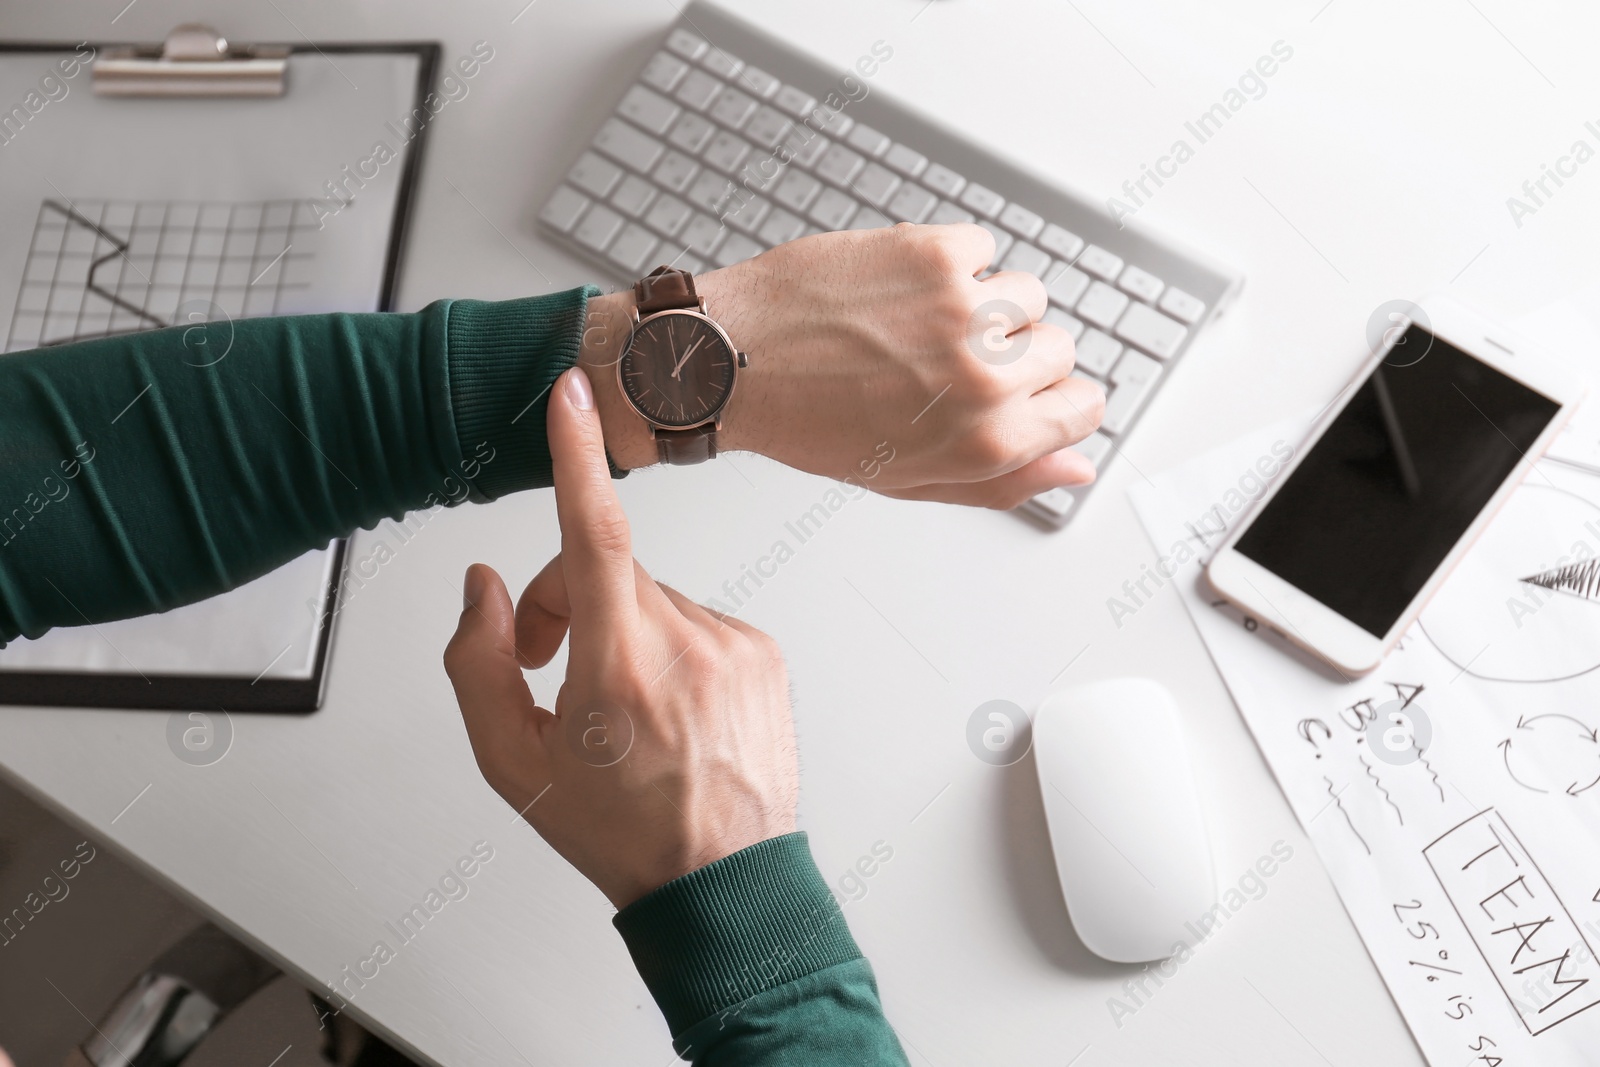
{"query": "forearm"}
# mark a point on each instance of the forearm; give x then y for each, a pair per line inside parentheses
(751, 962)
(143, 472)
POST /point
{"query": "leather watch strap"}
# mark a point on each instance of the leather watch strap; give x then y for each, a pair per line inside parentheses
(683, 447)
(665, 289)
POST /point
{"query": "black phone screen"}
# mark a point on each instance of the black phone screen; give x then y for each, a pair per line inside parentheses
(1384, 495)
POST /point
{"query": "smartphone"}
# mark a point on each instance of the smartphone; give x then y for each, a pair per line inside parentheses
(1395, 483)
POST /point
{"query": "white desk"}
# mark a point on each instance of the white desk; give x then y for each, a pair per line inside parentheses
(1376, 166)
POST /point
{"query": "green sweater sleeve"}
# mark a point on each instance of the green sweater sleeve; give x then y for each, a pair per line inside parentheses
(751, 962)
(142, 472)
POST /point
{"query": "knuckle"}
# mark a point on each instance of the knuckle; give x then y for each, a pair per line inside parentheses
(609, 535)
(454, 651)
(988, 447)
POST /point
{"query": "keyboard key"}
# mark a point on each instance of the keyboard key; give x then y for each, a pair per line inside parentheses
(733, 107)
(868, 140)
(690, 263)
(650, 110)
(1063, 243)
(1065, 284)
(1180, 305)
(686, 44)
(1002, 241)
(947, 212)
(598, 227)
(632, 247)
(1096, 448)
(768, 127)
(985, 202)
(806, 146)
(869, 219)
(1132, 382)
(633, 196)
(1100, 263)
(676, 171)
(726, 151)
(797, 190)
(906, 161)
(831, 120)
(664, 71)
(595, 175)
(1026, 258)
(625, 144)
(702, 235)
(794, 101)
(781, 227)
(1152, 331)
(668, 215)
(912, 203)
(1055, 503)
(1097, 353)
(710, 191)
(840, 165)
(563, 208)
(1055, 315)
(833, 209)
(943, 180)
(1024, 222)
(1101, 305)
(691, 133)
(698, 89)
(747, 214)
(1140, 283)
(736, 249)
(759, 171)
(876, 184)
(721, 63)
(758, 82)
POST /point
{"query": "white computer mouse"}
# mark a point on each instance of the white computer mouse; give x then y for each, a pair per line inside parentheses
(1119, 797)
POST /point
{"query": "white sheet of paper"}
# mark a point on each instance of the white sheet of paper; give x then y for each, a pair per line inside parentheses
(211, 201)
(1469, 857)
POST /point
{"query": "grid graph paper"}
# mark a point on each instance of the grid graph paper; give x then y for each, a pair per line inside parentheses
(96, 268)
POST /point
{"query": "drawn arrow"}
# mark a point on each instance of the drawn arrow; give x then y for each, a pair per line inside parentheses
(1505, 748)
(1572, 792)
(1583, 729)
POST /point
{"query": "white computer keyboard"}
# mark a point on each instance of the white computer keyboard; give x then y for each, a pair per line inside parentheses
(686, 172)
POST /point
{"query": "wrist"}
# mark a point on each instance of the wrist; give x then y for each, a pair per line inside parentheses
(731, 300)
(605, 335)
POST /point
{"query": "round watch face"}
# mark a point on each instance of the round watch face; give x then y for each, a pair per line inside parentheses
(678, 369)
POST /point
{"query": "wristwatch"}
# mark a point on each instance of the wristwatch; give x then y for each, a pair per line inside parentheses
(679, 367)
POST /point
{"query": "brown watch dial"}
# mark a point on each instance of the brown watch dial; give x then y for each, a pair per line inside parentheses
(678, 370)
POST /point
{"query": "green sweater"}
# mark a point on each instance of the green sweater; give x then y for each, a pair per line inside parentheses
(143, 472)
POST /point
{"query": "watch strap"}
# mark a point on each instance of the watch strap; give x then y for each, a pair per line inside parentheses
(683, 447)
(665, 289)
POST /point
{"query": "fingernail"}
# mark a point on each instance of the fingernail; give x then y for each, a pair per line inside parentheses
(472, 589)
(579, 390)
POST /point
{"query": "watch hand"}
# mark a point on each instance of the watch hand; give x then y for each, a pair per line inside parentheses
(687, 353)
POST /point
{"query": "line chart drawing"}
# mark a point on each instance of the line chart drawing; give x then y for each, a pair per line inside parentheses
(101, 268)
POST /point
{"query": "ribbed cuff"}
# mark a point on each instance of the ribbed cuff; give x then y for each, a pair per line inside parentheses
(735, 928)
(503, 358)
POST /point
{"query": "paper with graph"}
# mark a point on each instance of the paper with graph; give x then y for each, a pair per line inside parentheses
(1453, 794)
(122, 215)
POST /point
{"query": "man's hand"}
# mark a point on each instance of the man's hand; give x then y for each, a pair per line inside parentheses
(873, 343)
(671, 744)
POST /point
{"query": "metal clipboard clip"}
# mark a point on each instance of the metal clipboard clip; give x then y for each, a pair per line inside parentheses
(195, 60)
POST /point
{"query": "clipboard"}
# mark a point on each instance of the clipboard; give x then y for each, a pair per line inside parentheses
(126, 238)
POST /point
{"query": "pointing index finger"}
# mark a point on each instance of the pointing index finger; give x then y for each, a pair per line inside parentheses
(596, 545)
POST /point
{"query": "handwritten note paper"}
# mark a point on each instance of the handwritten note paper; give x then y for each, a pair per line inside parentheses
(1453, 794)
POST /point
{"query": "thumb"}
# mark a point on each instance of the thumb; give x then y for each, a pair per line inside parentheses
(500, 714)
